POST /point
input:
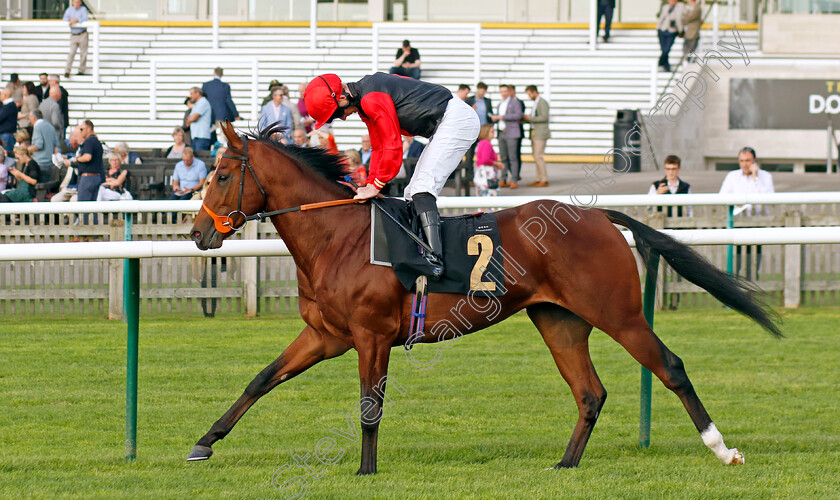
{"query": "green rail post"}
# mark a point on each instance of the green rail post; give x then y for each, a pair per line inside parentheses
(133, 320)
(729, 225)
(645, 392)
(127, 237)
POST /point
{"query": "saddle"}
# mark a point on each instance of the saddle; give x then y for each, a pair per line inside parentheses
(470, 249)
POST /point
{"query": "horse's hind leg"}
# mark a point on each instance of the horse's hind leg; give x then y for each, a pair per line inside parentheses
(636, 336)
(307, 349)
(566, 336)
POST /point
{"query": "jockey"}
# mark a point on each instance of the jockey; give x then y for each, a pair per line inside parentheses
(392, 106)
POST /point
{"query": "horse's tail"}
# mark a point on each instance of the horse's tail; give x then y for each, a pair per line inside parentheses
(732, 291)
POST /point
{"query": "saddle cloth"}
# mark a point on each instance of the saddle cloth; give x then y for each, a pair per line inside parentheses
(472, 263)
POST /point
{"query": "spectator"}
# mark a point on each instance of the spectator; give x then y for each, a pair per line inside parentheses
(274, 83)
(51, 111)
(540, 133)
(357, 170)
(326, 140)
(15, 87)
(68, 189)
(116, 179)
(463, 91)
(22, 137)
(483, 107)
(306, 121)
(287, 101)
(42, 90)
(299, 136)
(748, 179)
(510, 135)
(199, 120)
(5, 163)
(411, 148)
(668, 27)
(605, 9)
(177, 149)
(407, 62)
(671, 184)
(74, 15)
(186, 126)
(8, 120)
(44, 141)
(63, 103)
(189, 176)
(275, 112)
(126, 156)
(692, 20)
(486, 177)
(89, 164)
(217, 93)
(365, 151)
(30, 102)
(481, 103)
(26, 174)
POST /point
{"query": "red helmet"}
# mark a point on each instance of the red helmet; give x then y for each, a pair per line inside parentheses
(321, 97)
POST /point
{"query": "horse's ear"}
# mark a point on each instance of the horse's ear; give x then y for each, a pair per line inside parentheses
(234, 140)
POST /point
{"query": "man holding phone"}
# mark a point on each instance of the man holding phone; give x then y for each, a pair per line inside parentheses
(748, 179)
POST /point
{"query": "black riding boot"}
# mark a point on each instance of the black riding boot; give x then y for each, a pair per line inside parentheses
(426, 208)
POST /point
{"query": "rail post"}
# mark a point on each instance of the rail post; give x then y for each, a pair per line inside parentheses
(730, 223)
(132, 340)
(645, 392)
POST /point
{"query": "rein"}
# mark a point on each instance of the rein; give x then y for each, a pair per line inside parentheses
(224, 223)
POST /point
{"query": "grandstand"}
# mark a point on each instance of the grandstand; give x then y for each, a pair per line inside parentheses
(586, 87)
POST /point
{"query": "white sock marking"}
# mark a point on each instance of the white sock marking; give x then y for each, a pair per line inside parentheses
(714, 440)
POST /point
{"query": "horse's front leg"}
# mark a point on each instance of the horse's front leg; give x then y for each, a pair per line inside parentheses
(374, 353)
(308, 349)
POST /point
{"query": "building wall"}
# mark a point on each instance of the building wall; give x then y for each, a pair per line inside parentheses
(791, 146)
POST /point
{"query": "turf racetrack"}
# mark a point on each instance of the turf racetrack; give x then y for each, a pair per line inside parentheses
(482, 423)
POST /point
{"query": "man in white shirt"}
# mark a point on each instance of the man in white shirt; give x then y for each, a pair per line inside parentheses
(748, 179)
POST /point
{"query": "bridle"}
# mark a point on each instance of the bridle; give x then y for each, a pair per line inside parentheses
(224, 223)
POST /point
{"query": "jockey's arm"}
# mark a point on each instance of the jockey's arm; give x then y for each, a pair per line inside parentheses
(385, 138)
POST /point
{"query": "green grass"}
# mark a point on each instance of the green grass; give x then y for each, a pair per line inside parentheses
(482, 423)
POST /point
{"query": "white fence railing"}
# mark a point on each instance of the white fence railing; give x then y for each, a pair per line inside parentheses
(459, 202)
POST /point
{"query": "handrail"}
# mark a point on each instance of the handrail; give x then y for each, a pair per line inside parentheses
(444, 202)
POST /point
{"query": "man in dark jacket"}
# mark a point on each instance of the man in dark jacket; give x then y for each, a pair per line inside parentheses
(217, 93)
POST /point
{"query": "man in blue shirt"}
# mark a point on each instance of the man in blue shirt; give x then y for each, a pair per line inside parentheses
(199, 120)
(75, 14)
(274, 112)
(188, 177)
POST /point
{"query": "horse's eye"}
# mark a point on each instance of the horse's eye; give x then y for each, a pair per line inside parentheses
(222, 178)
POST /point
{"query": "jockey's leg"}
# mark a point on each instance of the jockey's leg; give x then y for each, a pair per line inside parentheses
(457, 131)
(426, 208)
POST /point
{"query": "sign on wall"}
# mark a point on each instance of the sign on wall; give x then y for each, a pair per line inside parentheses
(756, 103)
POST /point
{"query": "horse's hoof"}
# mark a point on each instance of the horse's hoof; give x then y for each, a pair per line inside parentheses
(737, 458)
(200, 453)
(365, 472)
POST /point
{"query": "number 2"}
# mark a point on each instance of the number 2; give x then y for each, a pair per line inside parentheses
(481, 245)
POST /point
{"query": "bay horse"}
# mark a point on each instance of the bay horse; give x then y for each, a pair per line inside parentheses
(581, 273)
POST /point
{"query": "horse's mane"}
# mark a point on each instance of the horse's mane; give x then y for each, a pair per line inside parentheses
(328, 165)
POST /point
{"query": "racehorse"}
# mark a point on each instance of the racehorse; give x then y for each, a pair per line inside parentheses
(580, 273)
